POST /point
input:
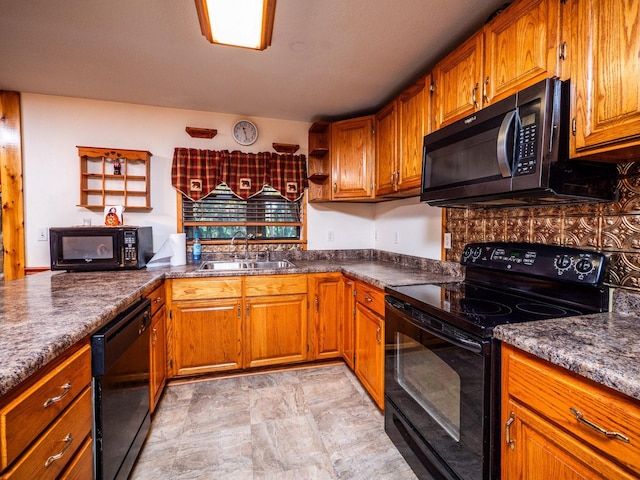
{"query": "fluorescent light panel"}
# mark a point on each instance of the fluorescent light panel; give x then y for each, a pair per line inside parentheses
(242, 23)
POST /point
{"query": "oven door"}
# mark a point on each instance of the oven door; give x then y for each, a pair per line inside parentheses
(437, 394)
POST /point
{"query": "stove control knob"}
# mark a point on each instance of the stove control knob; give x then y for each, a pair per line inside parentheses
(477, 252)
(563, 262)
(585, 266)
(466, 253)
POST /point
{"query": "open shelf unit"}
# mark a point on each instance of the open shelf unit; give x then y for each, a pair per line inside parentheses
(103, 183)
(319, 162)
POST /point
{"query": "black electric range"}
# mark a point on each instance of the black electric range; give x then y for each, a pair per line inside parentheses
(442, 364)
(512, 283)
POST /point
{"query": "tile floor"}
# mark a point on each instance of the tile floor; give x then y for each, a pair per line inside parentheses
(311, 423)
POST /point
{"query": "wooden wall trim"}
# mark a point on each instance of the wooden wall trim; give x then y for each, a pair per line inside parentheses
(11, 184)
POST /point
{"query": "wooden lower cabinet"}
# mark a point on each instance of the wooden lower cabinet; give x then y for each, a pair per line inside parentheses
(543, 438)
(369, 350)
(207, 336)
(347, 321)
(46, 422)
(325, 328)
(158, 357)
(276, 330)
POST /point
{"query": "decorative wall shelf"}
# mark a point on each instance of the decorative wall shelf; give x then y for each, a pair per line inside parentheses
(114, 177)
(285, 147)
(196, 132)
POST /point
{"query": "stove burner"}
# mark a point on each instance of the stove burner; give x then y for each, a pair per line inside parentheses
(546, 310)
(479, 307)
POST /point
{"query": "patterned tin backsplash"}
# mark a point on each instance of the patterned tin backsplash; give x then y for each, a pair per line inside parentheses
(613, 228)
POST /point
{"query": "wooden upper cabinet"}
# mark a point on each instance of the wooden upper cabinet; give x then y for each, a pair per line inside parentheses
(521, 48)
(352, 158)
(386, 148)
(457, 82)
(605, 68)
(413, 124)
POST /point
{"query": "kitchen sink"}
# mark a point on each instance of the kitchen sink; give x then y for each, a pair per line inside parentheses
(245, 265)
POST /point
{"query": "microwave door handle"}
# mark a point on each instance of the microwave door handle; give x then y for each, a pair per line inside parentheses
(502, 153)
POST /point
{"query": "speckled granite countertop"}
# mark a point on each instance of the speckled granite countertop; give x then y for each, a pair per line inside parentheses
(44, 314)
(603, 347)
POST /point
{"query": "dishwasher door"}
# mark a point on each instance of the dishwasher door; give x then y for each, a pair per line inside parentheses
(120, 369)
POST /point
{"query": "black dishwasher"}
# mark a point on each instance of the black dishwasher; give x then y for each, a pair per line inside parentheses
(120, 369)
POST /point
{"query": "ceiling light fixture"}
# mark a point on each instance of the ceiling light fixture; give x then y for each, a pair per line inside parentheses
(241, 23)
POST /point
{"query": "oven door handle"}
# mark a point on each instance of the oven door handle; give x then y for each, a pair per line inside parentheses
(467, 344)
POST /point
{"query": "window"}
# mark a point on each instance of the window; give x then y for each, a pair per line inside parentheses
(266, 216)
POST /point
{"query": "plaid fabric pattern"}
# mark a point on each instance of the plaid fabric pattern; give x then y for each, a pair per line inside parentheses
(196, 173)
(246, 173)
(288, 175)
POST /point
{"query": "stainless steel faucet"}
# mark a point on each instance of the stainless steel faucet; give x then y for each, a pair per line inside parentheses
(240, 233)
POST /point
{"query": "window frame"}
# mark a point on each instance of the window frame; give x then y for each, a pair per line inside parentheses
(181, 225)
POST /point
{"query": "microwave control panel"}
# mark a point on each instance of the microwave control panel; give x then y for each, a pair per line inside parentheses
(527, 142)
(130, 247)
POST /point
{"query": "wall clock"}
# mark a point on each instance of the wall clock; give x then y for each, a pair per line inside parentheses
(245, 132)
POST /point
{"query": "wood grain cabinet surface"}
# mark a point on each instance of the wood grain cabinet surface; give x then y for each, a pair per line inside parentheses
(352, 158)
(325, 326)
(555, 424)
(369, 340)
(605, 68)
(47, 419)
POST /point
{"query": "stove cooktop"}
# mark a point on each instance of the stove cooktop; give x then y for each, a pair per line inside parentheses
(479, 309)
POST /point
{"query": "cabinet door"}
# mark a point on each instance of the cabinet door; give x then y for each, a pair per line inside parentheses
(412, 128)
(369, 346)
(521, 48)
(386, 148)
(276, 329)
(158, 340)
(542, 450)
(352, 158)
(207, 335)
(605, 70)
(457, 80)
(324, 315)
(347, 319)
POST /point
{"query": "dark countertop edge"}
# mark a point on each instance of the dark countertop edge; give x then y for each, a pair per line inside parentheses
(576, 344)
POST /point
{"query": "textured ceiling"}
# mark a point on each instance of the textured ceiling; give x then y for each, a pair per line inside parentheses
(328, 58)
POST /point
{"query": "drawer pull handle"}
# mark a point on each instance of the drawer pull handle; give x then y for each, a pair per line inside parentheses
(66, 387)
(368, 299)
(580, 417)
(68, 440)
(507, 432)
(157, 300)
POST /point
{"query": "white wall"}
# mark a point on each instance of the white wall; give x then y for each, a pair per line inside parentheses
(409, 227)
(52, 127)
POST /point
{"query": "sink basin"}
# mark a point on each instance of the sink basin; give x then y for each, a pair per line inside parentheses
(245, 265)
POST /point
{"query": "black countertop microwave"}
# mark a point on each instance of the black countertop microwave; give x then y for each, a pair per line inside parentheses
(513, 153)
(100, 248)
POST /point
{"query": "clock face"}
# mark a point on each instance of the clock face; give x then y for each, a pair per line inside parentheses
(245, 132)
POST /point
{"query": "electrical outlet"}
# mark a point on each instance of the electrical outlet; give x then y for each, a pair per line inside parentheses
(330, 235)
(43, 234)
(447, 240)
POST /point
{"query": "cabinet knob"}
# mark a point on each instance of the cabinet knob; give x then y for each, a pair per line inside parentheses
(507, 431)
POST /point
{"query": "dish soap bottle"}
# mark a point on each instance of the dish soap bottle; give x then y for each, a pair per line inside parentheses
(197, 248)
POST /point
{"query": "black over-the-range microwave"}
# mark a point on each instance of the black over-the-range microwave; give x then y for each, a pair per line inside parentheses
(513, 153)
(100, 248)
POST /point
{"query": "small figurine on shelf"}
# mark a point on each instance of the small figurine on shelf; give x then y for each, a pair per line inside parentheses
(117, 167)
(113, 216)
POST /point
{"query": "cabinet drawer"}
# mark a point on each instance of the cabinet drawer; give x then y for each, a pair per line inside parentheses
(371, 297)
(203, 288)
(275, 285)
(56, 447)
(81, 467)
(157, 297)
(552, 391)
(26, 416)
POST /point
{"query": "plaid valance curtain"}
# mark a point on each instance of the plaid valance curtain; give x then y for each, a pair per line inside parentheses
(196, 173)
